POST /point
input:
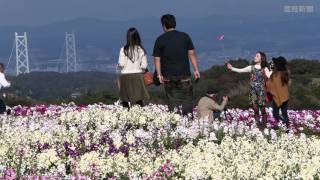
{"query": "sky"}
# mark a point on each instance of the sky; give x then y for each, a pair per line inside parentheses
(38, 12)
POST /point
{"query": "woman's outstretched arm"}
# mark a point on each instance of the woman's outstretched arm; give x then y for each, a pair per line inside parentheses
(242, 70)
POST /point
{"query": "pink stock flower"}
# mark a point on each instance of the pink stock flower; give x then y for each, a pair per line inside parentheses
(10, 174)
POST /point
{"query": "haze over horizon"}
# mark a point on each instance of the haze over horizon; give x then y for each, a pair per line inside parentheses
(38, 12)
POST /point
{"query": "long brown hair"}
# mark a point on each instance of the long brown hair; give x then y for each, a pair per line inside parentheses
(284, 76)
(264, 62)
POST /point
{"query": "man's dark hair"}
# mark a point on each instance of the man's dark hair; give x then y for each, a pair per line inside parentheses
(168, 21)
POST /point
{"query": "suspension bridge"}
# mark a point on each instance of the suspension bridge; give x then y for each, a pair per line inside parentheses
(21, 50)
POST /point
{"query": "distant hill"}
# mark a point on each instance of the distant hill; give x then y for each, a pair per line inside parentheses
(51, 86)
(91, 87)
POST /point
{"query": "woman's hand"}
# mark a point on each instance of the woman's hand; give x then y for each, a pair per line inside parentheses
(225, 98)
(229, 66)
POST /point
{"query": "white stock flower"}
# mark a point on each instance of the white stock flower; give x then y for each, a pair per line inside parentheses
(48, 159)
(89, 161)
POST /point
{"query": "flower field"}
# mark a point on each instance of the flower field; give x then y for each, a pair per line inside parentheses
(108, 142)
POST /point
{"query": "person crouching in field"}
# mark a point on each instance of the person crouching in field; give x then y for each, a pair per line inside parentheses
(133, 63)
(208, 106)
(277, 85)
(3, 84)
(259, 72)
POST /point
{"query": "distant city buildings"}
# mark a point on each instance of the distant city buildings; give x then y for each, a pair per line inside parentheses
(103, 63)
(75, 95)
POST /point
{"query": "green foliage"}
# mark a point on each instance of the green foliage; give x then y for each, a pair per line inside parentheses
(157, 96)
(302, 66)
(16, 100)
(93, 87)
(51, 86)
(96, 97)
